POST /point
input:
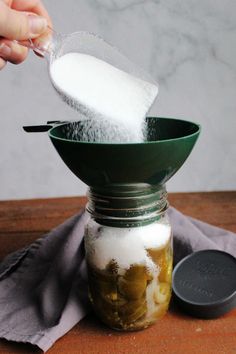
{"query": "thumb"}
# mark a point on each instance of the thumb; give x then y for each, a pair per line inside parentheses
(19, 25)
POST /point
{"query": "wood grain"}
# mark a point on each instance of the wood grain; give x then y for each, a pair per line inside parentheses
(21, 222)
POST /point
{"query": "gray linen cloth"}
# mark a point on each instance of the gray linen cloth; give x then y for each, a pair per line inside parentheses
(43, 287)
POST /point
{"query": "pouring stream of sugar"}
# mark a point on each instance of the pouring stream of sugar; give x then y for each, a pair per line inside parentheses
(98, 89)
(96, 79)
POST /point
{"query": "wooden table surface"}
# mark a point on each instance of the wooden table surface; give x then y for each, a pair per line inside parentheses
(21, 222)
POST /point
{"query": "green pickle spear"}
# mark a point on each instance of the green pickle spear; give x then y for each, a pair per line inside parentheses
(120, 299)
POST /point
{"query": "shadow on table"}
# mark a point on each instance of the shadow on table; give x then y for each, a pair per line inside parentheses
(15, 348)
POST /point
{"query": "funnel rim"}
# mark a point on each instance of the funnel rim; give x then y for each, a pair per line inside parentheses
(197, 132)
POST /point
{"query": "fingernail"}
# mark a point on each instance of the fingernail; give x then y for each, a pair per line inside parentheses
(2, 63)
(37, 24)
(5, 51)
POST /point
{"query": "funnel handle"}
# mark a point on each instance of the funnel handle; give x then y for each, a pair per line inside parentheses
(43, 127)
(37, 128)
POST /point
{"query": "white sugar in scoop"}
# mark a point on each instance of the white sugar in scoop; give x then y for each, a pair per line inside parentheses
(101, 91)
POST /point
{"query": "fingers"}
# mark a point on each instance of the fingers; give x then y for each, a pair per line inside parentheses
(12, 52)
(8, 2)
(18, 25)
(34, 6)
(2, 63)
(21, 20)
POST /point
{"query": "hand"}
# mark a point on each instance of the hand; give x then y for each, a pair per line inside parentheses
(21, 20)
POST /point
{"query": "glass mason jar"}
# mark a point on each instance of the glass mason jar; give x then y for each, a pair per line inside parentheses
(128, 243)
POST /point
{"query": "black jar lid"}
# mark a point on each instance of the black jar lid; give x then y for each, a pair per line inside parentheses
(204, 283)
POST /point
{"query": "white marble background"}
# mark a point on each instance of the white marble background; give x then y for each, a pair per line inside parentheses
(190, 49)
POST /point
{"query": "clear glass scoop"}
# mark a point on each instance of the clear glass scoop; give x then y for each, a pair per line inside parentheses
(86, 43)
(94, 91)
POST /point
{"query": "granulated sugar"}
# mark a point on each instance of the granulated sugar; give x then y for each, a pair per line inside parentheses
(130, 244)
(97, 130)
(104, 93)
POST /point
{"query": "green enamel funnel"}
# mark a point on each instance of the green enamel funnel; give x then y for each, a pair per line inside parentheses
(106, 166)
